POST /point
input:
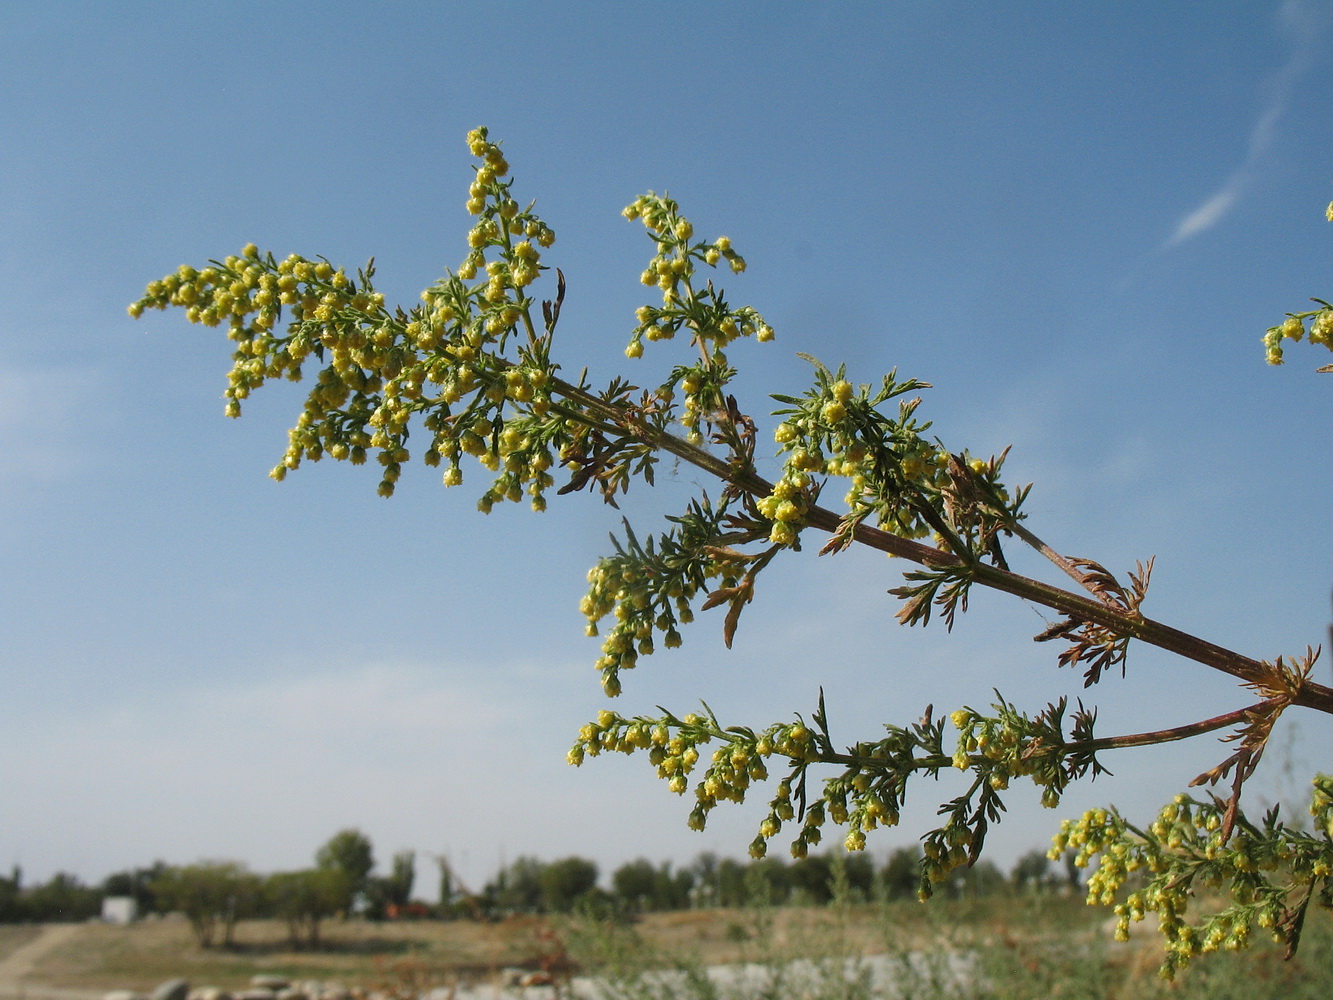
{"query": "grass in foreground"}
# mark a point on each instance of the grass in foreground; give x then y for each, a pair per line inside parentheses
(1018, 949)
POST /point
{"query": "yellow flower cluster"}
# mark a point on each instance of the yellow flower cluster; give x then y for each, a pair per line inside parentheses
(944, 851)
(673, 749)
(866, 796)
(702, 313)
(248, 294)
(1002, 749)
(836, 430)
(1293, 327)
(1321, 804)
(442, 361)
(1184, 848)
(646, 593)
(860, 799)
(791, 497)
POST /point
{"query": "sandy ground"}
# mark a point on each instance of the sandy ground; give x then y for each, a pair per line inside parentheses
(878, 971)
(19, 963)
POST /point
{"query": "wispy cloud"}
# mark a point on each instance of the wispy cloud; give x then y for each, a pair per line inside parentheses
(1301, 23)
(1211, 212)
(40, 413)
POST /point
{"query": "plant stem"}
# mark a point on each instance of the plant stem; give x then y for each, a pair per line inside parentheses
(1177, 733)
(1064, 564)
(1076, 606)
(936, 761)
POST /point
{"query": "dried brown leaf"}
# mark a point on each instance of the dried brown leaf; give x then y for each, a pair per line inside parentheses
(720, 596)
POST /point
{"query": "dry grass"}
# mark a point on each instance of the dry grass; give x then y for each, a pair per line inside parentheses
(13, 936)
(100, 957)
(142, 955)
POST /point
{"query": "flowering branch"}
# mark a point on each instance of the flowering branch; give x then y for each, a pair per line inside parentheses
(471, 370)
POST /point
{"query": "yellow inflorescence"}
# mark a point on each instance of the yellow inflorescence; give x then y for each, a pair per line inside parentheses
(1293, 327)
(381, 369)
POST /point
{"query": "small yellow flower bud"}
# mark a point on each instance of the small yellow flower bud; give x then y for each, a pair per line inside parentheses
(833, 413)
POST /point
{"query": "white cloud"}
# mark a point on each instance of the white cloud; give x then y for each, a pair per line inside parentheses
(1211, 212)
(1301, 24)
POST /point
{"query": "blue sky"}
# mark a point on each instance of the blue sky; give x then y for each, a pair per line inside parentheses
(1076, 221)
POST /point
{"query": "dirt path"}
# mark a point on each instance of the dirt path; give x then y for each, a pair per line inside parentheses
(19, 963)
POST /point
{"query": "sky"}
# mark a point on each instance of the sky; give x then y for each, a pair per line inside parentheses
(1074, 221)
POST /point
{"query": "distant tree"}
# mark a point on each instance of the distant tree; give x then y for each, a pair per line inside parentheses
(213, 895)
(1031, 871)
(640, 885)
(64, 898)
(767, 882)
(563, 882)
(811, 879)
(705, 872)
(349, 852)
(391, 894)
(120, 884)
(516, 889)
(633, 884)
(817, 878)
(731, 883)
(977, 882)
(401, 876)
(901, 876)
(456, 899)
(303, 899)
(11, 909)
(1073, 877)
(859, 872)
(672, 890)
(447, 888)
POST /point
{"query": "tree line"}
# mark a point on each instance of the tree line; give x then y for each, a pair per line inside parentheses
(215, 895)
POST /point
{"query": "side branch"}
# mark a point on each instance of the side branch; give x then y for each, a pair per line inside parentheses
(1177, 733)
(1152, 738)
(744, 479)
(1310, 695)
